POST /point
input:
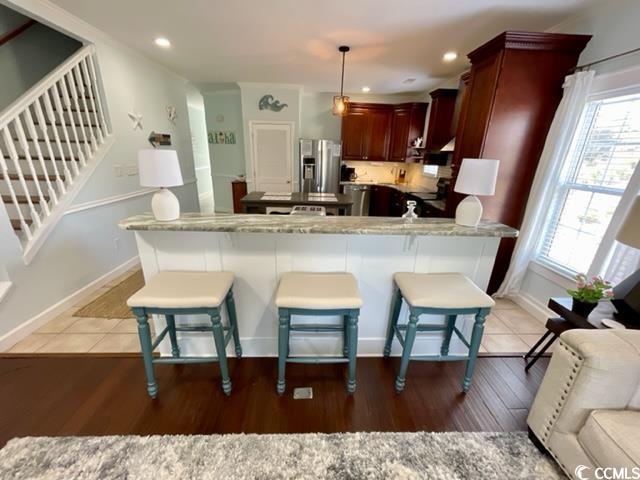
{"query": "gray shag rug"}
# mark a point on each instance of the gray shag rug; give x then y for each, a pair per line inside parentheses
(419, 455)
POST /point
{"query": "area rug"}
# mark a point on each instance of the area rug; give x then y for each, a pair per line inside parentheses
(419, 455)
(113, 304)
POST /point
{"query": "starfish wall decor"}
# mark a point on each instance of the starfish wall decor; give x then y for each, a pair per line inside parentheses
(136, 119)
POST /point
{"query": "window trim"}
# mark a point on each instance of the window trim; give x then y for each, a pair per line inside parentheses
(600, 257)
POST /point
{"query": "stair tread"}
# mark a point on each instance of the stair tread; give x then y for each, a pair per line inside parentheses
(23, 198)
(36, 158)
(44, 140)
(42, 178)
(17, 225)
(58, 124)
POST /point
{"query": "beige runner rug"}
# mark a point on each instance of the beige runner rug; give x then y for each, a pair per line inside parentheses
(113, 304)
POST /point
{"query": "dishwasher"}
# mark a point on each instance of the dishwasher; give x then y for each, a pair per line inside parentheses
(361, 195)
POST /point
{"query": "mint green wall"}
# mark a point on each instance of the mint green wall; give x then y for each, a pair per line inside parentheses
(29, 56)
(224, 113)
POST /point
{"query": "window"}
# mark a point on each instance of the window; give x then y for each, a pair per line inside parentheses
(603, 156)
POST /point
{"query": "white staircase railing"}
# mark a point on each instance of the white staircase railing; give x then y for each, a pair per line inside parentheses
(49, 140)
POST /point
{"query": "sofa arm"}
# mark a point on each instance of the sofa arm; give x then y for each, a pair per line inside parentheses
(589, 370)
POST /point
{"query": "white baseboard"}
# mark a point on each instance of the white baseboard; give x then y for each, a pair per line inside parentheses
(533, 306)
(21, 331)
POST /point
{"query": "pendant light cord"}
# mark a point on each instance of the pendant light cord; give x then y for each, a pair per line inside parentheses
(342, 79)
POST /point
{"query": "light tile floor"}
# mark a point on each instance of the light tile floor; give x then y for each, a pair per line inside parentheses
(508, 330)
(69, 334)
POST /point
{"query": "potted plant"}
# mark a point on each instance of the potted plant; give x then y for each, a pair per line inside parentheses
(588, 293)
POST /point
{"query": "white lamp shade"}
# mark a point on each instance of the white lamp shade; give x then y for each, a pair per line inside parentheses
(629, 232)
(477, 176)
(159, 168)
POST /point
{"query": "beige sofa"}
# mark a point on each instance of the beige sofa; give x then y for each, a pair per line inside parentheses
(587, 410)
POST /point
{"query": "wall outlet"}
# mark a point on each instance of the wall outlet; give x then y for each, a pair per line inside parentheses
(132, 170)
(118, 169)
(116, 243)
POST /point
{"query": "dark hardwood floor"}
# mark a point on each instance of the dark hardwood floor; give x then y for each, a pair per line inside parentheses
(87, 395)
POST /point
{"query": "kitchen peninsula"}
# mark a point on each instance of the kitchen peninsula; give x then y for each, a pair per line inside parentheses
(259, 248)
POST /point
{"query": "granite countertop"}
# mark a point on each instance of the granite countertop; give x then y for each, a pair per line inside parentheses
(196, 222)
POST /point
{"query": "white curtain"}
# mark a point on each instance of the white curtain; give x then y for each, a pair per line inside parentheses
(614, 260)
(576, 88)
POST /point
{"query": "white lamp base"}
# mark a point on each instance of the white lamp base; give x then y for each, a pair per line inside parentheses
(165, 205)
(469, 212)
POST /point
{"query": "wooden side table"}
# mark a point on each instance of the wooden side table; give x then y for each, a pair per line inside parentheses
(568, 320)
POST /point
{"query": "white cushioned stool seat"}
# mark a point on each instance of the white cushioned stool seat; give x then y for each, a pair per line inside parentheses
(441, 290)
(318, 291)
(183, 290)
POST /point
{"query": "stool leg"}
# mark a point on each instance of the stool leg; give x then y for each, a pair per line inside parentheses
(145, 346)
(345, 341)
(396, 304)
(353, 349)
(233, 323)
(476, 337)
(218, 337)
(446, 341)
(283, 346)
(409, 338)
(171, 323)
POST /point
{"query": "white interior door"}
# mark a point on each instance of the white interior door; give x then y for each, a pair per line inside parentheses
(272, 152)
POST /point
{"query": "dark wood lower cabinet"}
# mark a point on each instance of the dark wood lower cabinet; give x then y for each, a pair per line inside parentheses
(389, 202)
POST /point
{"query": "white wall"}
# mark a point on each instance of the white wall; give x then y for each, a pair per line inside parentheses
(250, 94)
(27, 58)
(614, 26)
(224, 113)
(86, 245)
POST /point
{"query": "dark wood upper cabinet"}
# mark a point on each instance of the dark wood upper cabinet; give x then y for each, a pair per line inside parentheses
(399, 133)
(514, 88)
(440, 131)
(377, 138)
(378, 132)
(354, 129)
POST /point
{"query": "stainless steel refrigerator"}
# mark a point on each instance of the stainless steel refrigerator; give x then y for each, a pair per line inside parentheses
(319, 166)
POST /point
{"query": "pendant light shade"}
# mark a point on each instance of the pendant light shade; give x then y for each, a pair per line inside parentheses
(341, 102)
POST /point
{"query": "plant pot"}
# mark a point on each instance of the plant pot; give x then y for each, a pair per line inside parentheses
(582, 308)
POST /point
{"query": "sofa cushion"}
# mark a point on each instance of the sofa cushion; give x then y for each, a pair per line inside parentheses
(612, 438)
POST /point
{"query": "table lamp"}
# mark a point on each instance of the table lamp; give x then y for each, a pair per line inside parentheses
(626, 294)
(477, 176)
(161, 168)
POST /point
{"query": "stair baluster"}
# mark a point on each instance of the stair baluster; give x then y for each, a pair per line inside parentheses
(60, 110)
(33, 133)
(24, 226)
(89, 89)
(8, 141)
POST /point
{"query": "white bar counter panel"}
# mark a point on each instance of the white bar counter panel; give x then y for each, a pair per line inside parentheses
(258, 249)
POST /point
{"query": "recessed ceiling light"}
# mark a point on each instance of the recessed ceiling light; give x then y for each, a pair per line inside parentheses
(366, 89)
(449, 56)
(162, 42)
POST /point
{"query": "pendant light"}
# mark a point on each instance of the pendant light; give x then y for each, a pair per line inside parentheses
(341, 102)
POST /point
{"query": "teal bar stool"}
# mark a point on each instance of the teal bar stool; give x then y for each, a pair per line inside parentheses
(186, 293)
(323, 294)
(448, 294)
